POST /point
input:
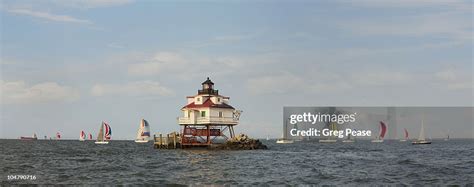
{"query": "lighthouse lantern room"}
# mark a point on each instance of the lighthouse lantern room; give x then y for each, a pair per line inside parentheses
(207, 118)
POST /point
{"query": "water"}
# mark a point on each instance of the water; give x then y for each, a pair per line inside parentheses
(125, 162)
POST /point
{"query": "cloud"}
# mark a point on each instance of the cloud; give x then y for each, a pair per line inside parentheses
(410, 3)
(440, 25)
(379, 78)
(91, 3)
(187, 66)
(160, 62)
(446, 75)
(324, 82)
(430, 18)
(233, 38)
(115, 45)
(48, 16)
(453, 79)
(275, 84)
(139, 88)
(18, 92)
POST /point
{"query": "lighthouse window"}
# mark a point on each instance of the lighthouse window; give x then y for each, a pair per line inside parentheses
(220, 114)
(203, 113)
(218, 99)
(198, 99)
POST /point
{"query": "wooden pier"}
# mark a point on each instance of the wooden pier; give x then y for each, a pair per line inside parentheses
(170, 141)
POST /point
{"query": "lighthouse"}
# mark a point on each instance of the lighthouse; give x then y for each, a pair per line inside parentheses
(208, 118)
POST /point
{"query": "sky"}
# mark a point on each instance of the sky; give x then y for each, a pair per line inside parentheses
(68, 65)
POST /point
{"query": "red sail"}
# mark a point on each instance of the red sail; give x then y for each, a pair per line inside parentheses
(383, 129)
(406, 134)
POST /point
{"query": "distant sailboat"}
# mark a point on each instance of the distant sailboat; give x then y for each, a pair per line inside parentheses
(421, 138)
(34, 137)
(143, 134)
(349, 139)
(104, 135)
(447, 136)
(268, 138)
(58, 136)
(82, 136)
(284, 139)
(406, 136)
(90, 136)
(330, 140)
(383, 130)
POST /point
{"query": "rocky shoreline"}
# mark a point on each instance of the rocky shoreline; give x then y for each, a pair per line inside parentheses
(242, 142)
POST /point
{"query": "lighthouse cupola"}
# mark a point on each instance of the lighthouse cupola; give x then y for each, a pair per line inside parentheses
(208, 88)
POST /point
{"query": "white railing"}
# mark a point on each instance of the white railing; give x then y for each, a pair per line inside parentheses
(207, 120)
(183, 120)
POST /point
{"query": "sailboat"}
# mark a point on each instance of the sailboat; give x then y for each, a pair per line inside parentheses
(383, 130)
(104, 134)
(90, 136)
(406, 136)
(349, 139)
(58, 136)
(82, 136)
(143, 134)
(329, 140)
(421, 138)
(284, 139)
(34, 137)
(447, 137)
(268, 138)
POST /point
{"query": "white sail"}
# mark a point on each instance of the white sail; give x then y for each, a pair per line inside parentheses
(422, 131)
(101, 136)
(143, 134)
(139, 133)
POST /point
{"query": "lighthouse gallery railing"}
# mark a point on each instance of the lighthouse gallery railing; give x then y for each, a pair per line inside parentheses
(207, 120)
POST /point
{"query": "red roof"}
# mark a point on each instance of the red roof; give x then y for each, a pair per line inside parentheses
(208, 104)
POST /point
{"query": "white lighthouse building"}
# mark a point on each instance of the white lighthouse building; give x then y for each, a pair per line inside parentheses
(207, 117)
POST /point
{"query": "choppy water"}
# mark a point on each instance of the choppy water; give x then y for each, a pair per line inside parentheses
(124, 162)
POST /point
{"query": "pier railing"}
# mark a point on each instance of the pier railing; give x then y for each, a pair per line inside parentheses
(171, 140)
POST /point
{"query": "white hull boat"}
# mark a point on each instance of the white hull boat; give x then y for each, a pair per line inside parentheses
(284, 141)
(421, 138)
(328, 141)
